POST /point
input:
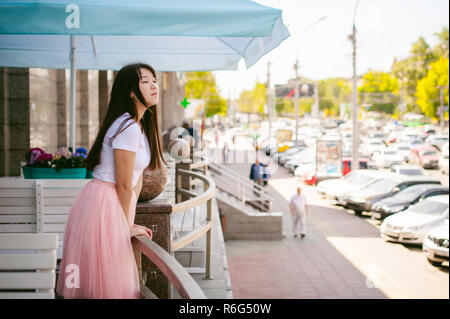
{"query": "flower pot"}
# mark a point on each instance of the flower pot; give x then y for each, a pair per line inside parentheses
(153, 183)
(65, 173)
(27, 172)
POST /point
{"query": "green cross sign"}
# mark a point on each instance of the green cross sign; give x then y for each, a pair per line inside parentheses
(185, 103)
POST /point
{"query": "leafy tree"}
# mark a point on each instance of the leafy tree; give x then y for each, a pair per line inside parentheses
(428, 91)
(253, 101)
(333, 92)
(381, 90)
(441, 49)
(409, 71)
(202, 85)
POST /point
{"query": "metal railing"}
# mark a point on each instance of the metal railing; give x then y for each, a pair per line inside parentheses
(169, 266)
(195, 200)
(244, 188)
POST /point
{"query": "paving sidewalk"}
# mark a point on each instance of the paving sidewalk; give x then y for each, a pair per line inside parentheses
(296, 268)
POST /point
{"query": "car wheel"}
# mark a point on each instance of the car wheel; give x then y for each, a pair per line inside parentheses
(358, 212)
(434, 263)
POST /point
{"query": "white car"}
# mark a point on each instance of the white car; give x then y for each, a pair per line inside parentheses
(403, 150)
(435, 244)
(387, 158)
(336, 188)
(437, 141)
(372, 145)
(411, 225)
(412, 170)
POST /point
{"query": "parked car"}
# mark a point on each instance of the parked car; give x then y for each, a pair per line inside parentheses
(405, 198)
(435, 244)
(387, 157)
(437, 141)
(443, 160)
(305, 156)
(283, 157)
(403, 150)
(412, 170)
(362, 199)
(411, 225)
(337, 188)
(372, 145)
(425, 156)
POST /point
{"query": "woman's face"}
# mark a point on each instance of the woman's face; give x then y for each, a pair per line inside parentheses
(149, 87)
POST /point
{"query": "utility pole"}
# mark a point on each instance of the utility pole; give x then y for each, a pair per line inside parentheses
(442, 87)
(296, 101)
(355, 146)
(269, 101)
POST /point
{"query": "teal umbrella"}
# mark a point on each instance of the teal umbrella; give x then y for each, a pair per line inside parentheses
(173, 35)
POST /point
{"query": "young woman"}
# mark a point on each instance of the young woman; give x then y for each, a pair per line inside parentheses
(98, 260)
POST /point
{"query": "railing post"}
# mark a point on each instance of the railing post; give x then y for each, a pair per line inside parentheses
(208, 239)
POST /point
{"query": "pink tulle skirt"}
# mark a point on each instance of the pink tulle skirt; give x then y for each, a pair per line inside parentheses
(98, 259)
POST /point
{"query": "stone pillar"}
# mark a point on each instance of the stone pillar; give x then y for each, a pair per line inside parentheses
(103, 96)
(14, 119)
(82, 110)
(172, 93)
(155, 215)
(61, 115)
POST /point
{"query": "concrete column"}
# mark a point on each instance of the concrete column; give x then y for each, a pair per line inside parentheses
(103, 95)
(61, 109)
(82, 110)
(14, 119)
(172, 93)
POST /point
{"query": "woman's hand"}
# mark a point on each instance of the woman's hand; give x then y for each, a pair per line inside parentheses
(137, 230)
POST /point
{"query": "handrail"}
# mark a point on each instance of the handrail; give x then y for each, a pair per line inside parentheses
(196, 200)
(200, 199)
(170, 267)
(247, 184)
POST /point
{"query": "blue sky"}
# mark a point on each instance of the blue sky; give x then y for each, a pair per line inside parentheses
(386, 29)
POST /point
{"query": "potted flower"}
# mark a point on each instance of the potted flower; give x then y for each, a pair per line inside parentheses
(62, 165)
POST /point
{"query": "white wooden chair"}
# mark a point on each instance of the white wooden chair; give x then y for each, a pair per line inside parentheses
(37, 206)
(27, 266)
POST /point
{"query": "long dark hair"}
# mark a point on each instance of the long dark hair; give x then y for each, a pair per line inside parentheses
(127, 81)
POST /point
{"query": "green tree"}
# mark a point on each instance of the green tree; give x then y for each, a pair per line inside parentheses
(410, 70)
(428, 91)
(202, 85)
(253, 101)
(441, 49)
(333, 92)
(379, 89)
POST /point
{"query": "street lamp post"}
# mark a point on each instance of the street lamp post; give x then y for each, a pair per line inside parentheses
(355, 144)
(297, 84)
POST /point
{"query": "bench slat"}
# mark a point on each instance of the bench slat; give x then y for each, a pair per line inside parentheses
(50, 294)
(23, 280)
(19, 192)
(28, 241)
(17, 201)
(17, 228)
(10, 219)
(61, 192)
(42, 261)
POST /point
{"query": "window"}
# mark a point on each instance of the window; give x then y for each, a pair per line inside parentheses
(428, 207)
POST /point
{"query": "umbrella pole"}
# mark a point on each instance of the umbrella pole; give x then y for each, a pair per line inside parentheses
(73, 90)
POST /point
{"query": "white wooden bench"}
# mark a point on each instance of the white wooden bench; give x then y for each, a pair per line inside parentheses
(27, 266)
(38, 205)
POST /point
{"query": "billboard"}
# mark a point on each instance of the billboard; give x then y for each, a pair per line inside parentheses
(328, 158)
(288, 91)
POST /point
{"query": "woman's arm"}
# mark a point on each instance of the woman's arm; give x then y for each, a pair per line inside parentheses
(124, 167)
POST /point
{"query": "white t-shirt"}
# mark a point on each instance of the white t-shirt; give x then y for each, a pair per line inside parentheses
(131, 139)
(299, 203)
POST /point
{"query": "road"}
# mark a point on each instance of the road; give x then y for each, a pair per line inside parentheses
(346, 249)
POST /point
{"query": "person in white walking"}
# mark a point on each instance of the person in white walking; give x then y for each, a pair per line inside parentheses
(299, 211)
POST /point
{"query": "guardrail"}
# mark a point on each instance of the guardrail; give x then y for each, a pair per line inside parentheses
(244, 187)
(174, 272)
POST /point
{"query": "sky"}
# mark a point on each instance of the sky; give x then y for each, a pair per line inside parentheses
(386, 30)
